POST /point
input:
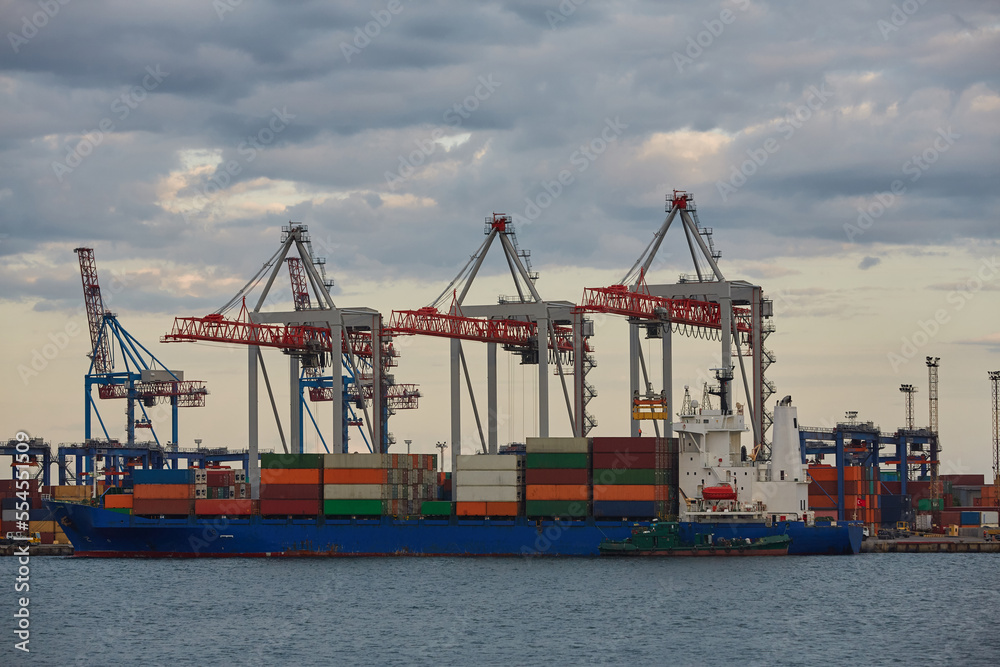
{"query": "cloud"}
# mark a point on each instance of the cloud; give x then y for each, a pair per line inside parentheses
(868, 262)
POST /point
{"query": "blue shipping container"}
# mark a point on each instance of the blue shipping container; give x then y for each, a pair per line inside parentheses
(633, 509)
(969, 519)
(141, 476)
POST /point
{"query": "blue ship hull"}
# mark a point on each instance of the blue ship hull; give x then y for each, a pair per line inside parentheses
(103, 533)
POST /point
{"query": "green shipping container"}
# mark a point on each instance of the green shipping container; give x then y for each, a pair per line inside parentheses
(556, 460)
(299, 461)
(352, 507)
(560, 508)
(621, 476)
(435, 508)
(120, 510)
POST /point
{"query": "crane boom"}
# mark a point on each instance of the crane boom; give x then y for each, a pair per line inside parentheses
(100, 346)
(300, 289)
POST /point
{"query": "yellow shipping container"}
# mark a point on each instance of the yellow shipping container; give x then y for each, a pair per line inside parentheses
(41, 526)
(72, 492)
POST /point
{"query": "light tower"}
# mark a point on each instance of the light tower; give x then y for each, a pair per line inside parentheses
(908, 391)
(932, 397)
(995, 379)
(441, 446)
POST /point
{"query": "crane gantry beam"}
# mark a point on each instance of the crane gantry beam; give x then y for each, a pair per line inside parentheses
(620, 300)
(428, 321)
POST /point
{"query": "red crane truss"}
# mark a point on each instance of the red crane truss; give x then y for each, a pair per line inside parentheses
(620, 300)
(300, 290)
(428, 321)
(189, 393)
(100, 347)
(398, 396)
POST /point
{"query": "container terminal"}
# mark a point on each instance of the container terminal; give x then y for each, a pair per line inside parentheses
(821, 486)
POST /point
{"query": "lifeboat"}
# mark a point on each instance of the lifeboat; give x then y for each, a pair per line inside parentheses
(721, 492)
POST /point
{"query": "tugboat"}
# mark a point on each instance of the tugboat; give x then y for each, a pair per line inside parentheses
(663, 539)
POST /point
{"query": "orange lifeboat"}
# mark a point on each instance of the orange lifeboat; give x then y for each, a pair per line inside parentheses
(721, 492)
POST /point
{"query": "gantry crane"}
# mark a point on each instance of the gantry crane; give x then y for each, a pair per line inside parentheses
(144, 381)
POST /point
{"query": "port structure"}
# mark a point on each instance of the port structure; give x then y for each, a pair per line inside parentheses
(309, 337)
(541, 332)
(933, 363)
(908, 390)
(995, 381)
(140, 378)
(705, 304)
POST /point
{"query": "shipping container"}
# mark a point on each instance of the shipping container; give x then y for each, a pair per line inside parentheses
(556, 492)
(489, 462)
(119, 510)
(556, 508)
(606, 460)
(161, 506)
(231, 507)
(359, 491)
(163, 491)
(370, 461)
(989, 518)
(969, 518)
(358, 507)
(607, 476)
(620, 445)
(556, 460)
(435, 508)
(624, 492)
(162, 476)
(556, 476)
(557, 445)
(491, 477)
(289, 507)
(494, 508)
(291, 461)
(470, 509)
(509, 493)
(290, 491)
(354, 476)
(118, 500)
(289, 476)
(72, 492)
(625, 509)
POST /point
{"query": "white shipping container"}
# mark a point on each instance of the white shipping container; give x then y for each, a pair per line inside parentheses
(352, 491)
(490, 477)
(924, 522)
(495, 494)
(489, 462)
(990, 519)
(355, 461)
(557, 445)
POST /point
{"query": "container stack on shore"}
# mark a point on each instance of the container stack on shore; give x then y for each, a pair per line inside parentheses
(290, 484)
(489, 485)
(378, 484)
(861, 493)
(557, 477)
(634, 478)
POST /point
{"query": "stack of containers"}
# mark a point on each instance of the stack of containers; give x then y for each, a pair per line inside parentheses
(624, 477)
(162, 492)
(221, 492)
(489, 485)
(378, 484)
(557, 477)
(667, 481)
(25, 513)
(290, 484)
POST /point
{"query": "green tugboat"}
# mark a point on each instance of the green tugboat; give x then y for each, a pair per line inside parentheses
(663, 539)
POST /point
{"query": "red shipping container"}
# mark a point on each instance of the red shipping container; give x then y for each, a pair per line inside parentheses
(290, 476)
(290, 491)
(289, 507)
(217, 478)
(47, 538)
(556, 476)
(624, 461)
(501, 509)
(354, 476)
(625, 445)
(233, 507)
(163, 491)
(165, 506)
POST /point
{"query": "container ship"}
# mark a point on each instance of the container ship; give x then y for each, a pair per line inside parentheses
(557, 497)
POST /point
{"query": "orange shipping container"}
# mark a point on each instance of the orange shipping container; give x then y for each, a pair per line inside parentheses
(470, 509)
(162, 492)
(823, 474)
(559, 492)
(289, 476)
(220, 507)
(118, 501)
(501, 509)
(354, 476)
(624, 492)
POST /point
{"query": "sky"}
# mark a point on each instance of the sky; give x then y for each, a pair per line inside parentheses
(845, 155)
